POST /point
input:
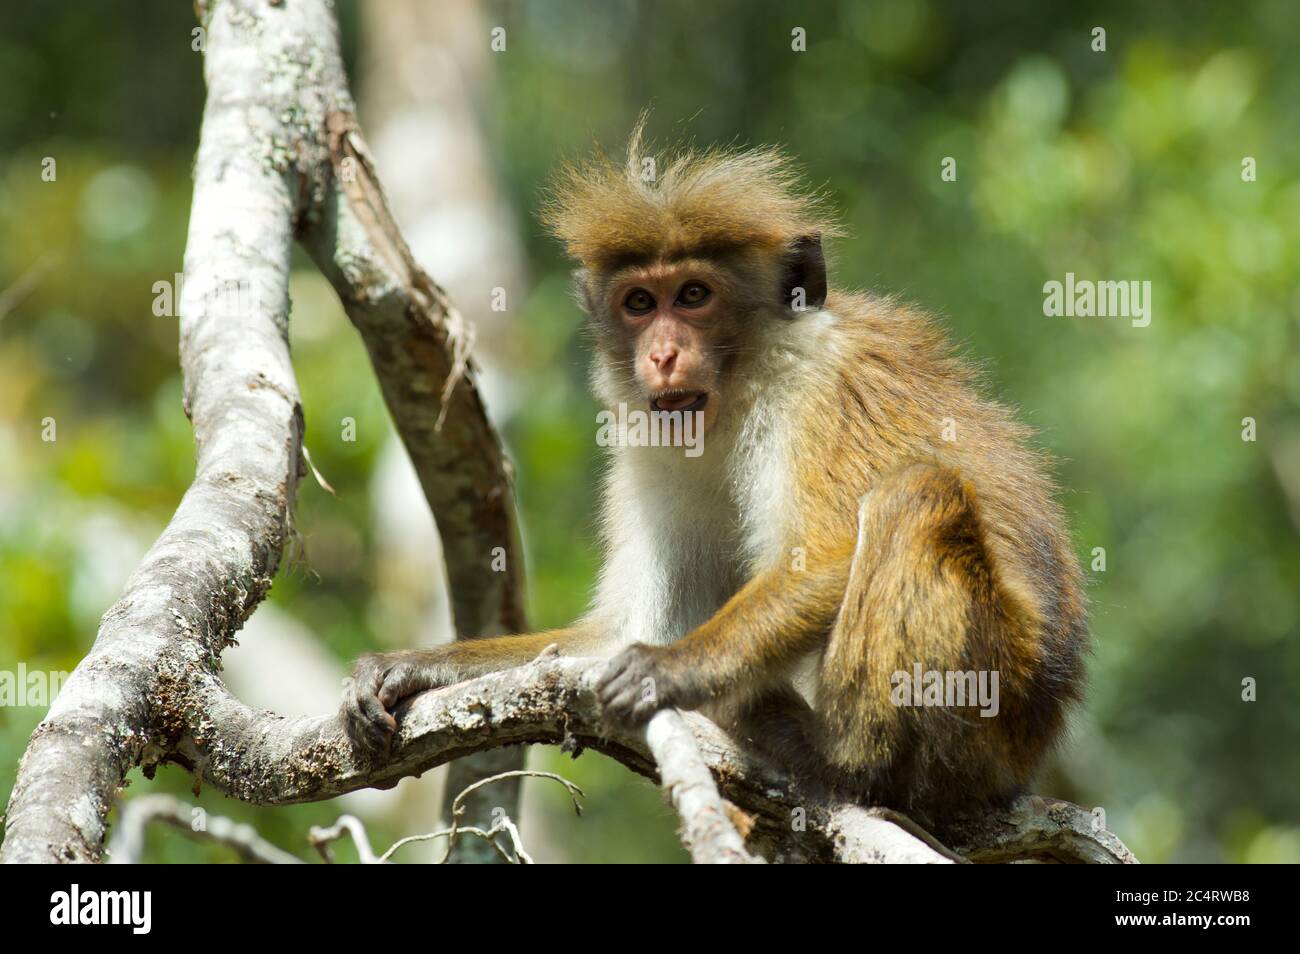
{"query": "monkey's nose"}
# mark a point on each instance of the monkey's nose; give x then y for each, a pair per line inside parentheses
(664, 358)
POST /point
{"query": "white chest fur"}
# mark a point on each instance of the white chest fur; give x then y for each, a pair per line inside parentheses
(683, 534)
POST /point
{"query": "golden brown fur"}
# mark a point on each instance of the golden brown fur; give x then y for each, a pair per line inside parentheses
(605, 212)
(925, 521)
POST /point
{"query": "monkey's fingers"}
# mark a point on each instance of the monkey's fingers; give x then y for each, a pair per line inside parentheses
(368, 723)
(632, 688)
(628, 709)
(403, 680)
(624, 702)
(614, 682)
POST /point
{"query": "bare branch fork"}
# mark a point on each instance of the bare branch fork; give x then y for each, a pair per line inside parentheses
(281, 158)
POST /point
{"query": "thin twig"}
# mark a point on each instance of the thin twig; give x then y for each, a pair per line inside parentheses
(320, 839)
(458, 805)
(127, 845)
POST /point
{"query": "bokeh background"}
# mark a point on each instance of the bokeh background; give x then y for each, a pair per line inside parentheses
(1123, 164)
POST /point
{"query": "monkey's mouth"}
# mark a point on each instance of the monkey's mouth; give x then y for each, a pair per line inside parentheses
(679, 399)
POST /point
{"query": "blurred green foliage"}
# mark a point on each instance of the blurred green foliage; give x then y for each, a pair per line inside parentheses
(1117, 165)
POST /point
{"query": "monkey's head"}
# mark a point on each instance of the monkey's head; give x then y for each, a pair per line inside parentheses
(690, 265)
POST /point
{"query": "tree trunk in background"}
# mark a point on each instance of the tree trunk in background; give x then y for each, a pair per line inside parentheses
(423, 69)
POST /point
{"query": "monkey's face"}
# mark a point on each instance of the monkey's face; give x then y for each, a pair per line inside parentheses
(672, 325)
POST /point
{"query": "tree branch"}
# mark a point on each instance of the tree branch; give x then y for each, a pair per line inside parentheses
(127, 845)
(277, 125)
(707, 830)
(267, 759)
(419, 346)
(215, 560)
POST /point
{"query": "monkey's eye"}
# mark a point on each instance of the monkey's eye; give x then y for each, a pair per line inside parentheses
(692, 294)
(638, 301)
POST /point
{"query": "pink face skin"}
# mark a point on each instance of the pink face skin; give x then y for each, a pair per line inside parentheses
(675, 312)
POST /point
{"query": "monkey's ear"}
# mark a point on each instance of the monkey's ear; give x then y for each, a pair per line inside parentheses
(804, 287)
(582, 290)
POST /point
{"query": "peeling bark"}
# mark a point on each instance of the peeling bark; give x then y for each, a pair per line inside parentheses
(419, 347)
(1041, 829)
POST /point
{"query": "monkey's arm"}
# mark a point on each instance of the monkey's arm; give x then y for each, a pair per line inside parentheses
(382, 680)
(773, 621)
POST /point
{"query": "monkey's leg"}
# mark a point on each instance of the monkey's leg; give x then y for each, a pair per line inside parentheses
(925, 595)
(778, 724)
(382, 680)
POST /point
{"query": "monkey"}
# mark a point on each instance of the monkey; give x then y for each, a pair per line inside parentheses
(861, 510)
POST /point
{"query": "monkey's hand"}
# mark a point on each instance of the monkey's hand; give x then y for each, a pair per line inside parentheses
(640, 681)
(379, 683)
